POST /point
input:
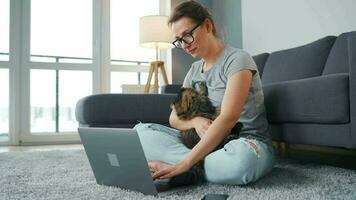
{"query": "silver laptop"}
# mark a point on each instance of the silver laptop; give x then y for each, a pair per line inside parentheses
(117, 159)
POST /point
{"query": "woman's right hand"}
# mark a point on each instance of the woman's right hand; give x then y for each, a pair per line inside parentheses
(201, 124)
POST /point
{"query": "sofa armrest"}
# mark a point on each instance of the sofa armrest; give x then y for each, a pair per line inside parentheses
(171, 89)
(352, 64)
(119, 110)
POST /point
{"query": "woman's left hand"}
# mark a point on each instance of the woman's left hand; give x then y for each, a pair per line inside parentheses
(171, 171)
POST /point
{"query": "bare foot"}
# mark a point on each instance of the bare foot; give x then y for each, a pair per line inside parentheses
(156, 165)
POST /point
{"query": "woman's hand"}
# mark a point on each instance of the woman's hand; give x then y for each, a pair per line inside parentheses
(201, 124)
(169, 171)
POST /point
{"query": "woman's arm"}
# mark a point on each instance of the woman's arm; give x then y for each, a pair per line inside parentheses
(234, 99)
(176, 123)
(200, 124)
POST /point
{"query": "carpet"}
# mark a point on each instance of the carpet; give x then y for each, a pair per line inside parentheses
(66, 174)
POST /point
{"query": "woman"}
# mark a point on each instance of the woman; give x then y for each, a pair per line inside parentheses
(234, 86)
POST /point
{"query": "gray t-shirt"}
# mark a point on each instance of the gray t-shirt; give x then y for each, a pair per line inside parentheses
(231, 61)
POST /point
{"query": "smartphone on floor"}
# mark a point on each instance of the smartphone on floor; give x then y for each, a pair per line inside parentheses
(215, 197)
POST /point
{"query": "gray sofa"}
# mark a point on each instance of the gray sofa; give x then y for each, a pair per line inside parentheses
(310, 96)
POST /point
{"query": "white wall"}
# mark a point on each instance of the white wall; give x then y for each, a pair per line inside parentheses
(273, 25)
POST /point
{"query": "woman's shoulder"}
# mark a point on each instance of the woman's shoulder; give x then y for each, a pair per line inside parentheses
(235, 53)
(196, 66)
(236, 60)
(197, 63)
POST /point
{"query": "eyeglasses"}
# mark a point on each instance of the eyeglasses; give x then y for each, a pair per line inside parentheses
(187, 38)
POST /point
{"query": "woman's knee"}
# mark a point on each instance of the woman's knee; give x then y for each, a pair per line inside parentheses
(160, 143)
(156, 133)
(141, 126)
(234, 164)
(229, 173)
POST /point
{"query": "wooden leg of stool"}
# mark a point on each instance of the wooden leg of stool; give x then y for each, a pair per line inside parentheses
(148, 84)
(156, 79)
(165, 78)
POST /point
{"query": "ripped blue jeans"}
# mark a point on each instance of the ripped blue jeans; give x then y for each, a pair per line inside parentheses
(241, 161)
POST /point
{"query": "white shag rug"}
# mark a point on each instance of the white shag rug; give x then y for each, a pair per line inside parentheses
(66, 174)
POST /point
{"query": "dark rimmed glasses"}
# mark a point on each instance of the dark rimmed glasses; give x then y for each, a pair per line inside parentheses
(187, 38)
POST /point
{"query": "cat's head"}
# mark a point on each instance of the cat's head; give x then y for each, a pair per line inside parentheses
(186, 103)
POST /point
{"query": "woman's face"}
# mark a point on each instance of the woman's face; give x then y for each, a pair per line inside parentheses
(184, 26)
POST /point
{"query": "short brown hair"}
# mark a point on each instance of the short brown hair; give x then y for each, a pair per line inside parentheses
(192, 10)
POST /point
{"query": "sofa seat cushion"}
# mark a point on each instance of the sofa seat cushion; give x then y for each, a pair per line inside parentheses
(298, 63)
(323, 99)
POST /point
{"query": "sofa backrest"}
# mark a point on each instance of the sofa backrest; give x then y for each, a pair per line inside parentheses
(297, 63)
(338, 60)
(260, 61)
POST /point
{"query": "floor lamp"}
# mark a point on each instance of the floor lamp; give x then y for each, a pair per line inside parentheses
(155, 33)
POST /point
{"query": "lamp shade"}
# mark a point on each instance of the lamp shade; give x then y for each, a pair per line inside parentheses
(154, 32)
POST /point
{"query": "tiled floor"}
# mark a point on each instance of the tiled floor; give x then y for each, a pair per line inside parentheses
(39, 148)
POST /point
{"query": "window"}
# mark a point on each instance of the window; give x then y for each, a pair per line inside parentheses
(61, 31)
(124, 44)
(4, 104)
(54, 94)
(124, 37)
(4, 30)
(70, 90)
(4, 69)
(119, 79)
(61, 52)
(43, 100)
(61, 34)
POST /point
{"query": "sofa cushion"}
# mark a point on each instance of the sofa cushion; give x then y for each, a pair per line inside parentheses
(323, 99)
(297, 63)
(171, 88)
(338, 60)
(114, 109)
(260, 61)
